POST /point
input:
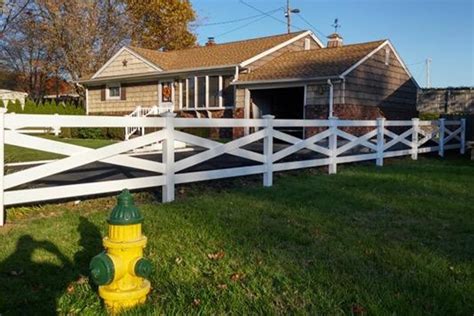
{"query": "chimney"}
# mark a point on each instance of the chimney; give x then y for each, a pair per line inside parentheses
(210, 41)
(335, 40)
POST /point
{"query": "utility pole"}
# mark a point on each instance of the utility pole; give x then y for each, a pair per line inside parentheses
(288, 13)
(428, 72)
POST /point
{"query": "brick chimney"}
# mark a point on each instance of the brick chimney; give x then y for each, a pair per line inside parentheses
(210, 41)
(335, 40)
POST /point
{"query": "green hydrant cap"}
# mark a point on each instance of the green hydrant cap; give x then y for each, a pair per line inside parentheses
(125, 212)
(143, 268)
(102, 269)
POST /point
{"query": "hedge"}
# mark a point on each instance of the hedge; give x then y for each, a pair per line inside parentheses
(63, 108)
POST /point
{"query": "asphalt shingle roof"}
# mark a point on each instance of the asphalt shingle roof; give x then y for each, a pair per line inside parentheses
(324, 62)
(231, 53)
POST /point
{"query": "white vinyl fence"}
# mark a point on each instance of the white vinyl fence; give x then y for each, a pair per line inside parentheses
(332, 144)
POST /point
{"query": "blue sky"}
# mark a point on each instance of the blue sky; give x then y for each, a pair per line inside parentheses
(440, 29)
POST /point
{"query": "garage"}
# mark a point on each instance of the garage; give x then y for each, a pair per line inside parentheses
(283, 103)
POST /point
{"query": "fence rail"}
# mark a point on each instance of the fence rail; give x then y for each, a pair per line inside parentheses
(330, 142)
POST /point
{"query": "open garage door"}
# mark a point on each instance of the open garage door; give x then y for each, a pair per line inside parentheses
(283, 103)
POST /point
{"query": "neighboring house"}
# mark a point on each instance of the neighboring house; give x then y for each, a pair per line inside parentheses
(446, 100)
(60, 90)
(10, 95)
(290, 76)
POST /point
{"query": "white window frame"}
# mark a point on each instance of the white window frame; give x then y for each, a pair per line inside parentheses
(107, 91)
(220, 104)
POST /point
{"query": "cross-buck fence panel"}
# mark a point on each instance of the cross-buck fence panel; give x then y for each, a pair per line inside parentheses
(333, 144)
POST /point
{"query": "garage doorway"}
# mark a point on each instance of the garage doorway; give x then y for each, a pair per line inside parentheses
(283, 103)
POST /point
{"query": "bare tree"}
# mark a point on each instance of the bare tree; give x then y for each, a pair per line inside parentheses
(10, 10)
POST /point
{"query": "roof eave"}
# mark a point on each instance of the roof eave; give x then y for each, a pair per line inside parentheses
(286, 80)
(153, 74)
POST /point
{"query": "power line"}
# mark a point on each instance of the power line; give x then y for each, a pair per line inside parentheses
(268, 15)
(311, 25)
(241, 27)
(236, 20)
(417, 63)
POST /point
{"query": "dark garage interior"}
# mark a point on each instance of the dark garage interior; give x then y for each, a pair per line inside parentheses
(284, 103)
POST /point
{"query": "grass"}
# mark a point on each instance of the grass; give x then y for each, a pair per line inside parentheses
(391, 240)
(21, 154)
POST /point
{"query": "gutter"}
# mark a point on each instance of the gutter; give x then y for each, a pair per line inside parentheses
(152, 75)
(288, 80)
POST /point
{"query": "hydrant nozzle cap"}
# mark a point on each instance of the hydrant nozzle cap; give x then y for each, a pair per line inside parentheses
(125, 212)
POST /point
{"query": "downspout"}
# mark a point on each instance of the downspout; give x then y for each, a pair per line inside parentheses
(331, 99)
(236, 75)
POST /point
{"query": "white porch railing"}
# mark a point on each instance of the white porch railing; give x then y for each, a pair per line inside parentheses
(331, 145)
(144, 112)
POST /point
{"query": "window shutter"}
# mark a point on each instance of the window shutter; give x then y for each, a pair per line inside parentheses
(102, 93)
(123, 93)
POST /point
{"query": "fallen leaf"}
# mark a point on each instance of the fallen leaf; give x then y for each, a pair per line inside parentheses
(358, 309)
(16, 272)
(222, 286)
(82, 280)
(236, 277)
(216, 256)
(196, 302)
(70, 288)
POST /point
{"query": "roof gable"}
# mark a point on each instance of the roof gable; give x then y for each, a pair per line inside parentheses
(125, 62)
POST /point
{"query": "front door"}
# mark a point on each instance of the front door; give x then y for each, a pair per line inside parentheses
(166, 96)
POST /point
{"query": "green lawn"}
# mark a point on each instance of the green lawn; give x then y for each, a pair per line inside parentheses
(21, 154)
(378, 241)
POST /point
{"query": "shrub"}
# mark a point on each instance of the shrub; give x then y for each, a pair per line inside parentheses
(115, 133)
(429, 116)
(90, 133)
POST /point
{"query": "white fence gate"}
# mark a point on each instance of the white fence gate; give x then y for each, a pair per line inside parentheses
(333, 143)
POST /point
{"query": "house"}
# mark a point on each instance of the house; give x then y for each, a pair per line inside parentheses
(60, 90)
(291, 76)
(10, 95)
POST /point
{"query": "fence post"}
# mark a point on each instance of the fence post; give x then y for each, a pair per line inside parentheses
(462, 150)
(414, 138)
(441, 137)
(168, 157)
(380, 140)
(333, 145)
(268, 151)
(2, 162)
(56, 127)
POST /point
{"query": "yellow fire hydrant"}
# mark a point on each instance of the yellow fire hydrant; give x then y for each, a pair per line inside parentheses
(121, 271)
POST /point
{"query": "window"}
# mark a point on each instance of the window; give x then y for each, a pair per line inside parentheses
(213, 91)
(307, 44)
(113, 91)
(191, 88)
(201, 88)
(166, 92)
(228, 91)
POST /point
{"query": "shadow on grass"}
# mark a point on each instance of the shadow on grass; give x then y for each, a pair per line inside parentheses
(37, 273)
